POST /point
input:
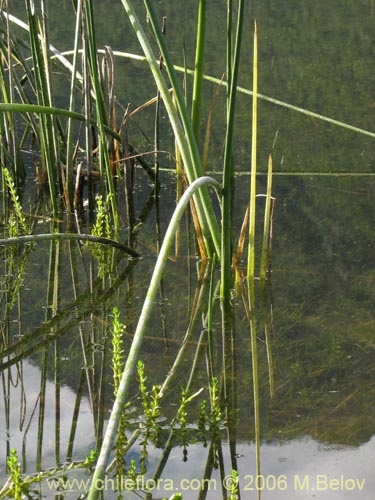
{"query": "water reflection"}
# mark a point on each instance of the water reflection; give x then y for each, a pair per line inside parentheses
(314, 326)
(20, 403)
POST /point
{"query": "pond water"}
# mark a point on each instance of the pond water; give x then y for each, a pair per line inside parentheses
(315, 316)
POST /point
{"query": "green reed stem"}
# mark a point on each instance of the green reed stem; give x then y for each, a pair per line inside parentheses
(267, 337)
(251, 252)
(227, 195)
(254, 361)
(144, 318)
(266, 227)
(229, 55)
(68, 236)
(51, 110)
(198, 70)
(69, 146)
(251, 255)
(8, 129)
(182, 127)
(104, 161)
(47, 138)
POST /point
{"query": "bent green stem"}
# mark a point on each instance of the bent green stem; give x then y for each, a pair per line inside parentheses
(132, 359)
(68, 236)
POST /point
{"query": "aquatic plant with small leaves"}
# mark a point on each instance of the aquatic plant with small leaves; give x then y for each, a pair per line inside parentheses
(151, 412)
(202, 421)
(17, 226)
(234, 490)
(15, 474)
(102, 229)
(150, 403)
(118, 360)
(182, 418)
(18, 485)
(215, 420)
(215, 417)
(17, 221)
(132, 472)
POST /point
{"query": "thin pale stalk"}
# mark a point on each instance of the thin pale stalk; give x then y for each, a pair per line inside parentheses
(251, 257)
(179, 189)
(209, 320)
(251, 252)
(61, 57)
(266, 226)
(139, 334)
(200, 293)
(87, 108)
(254, 362)
(267, 337)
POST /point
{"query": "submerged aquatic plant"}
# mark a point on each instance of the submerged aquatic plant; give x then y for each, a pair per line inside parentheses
(216, 239)
(132, 358)
(151, 410)
(234, 490)
(16, 227)
(150, 403)
(102, 229)
(15, 474)
(17, 221)
(118, 360)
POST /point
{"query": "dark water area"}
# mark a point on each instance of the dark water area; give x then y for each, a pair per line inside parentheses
(315, 317)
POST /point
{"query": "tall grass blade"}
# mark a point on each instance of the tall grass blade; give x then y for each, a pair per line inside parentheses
(139, 334)
(46, 132)
(101, 112)
(8, 81)
(227, 195)
(198, 70)
(254, 361)
(179, 190)
(229, 55)
(267, 336)
(208, 129)
(251, 253)
(69, 147)
(267, 217)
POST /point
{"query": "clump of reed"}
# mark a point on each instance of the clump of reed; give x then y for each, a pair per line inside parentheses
(29, 117)
(104, 143)
(216, 240)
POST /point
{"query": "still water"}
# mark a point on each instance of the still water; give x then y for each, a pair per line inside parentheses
(316, 358)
